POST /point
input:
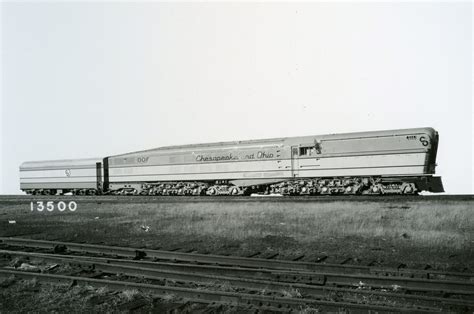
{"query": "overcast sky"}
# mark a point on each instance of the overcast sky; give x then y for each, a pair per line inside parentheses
(93, 79)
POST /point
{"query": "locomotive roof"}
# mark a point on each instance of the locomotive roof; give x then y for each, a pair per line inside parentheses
(61, 163)
(290, 140)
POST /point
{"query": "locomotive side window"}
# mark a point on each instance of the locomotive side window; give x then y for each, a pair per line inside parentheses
(307, 151)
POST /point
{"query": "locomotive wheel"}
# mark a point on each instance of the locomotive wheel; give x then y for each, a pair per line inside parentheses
(409, 189)
(377, 189)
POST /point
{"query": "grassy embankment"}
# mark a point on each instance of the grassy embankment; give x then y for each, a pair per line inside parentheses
(418, 231)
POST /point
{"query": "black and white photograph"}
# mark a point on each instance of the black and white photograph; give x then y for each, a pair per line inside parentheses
(236, 156)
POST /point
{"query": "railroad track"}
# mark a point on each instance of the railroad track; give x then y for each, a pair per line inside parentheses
(208, 296)
(243, 278)
(11, 199)
(318, 284)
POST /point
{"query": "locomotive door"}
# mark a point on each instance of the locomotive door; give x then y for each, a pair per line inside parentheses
(295, 164)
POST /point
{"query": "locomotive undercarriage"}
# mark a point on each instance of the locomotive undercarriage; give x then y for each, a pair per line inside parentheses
(302, 186)
(342, 186)
(63, 191)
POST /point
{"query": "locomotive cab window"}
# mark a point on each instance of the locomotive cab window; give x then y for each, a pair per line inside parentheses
(307, 151)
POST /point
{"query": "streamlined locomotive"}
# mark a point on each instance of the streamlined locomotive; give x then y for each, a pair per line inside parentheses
(380, 162)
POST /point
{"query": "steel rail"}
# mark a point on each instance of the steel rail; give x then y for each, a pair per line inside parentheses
(335, 279)
(287, 276)
(154, 271)
(236, 261)
(199, 296)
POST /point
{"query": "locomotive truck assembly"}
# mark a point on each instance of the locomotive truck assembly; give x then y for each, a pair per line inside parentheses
(369, 163)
